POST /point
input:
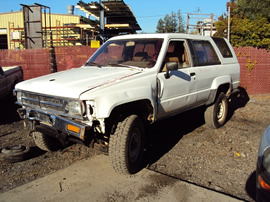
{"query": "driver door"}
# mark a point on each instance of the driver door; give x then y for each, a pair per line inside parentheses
(178, 92)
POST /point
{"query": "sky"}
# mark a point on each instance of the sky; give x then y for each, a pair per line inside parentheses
(147, 12)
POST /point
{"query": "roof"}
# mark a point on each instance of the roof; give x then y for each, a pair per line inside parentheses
(164, 36)
(119, 16)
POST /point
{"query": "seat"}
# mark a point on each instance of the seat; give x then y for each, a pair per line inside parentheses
(185, 61)
(140, 56)
(170, 59)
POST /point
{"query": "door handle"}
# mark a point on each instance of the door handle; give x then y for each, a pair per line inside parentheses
(192, 74)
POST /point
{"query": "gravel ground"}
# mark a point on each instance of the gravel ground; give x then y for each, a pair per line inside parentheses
(182, 147)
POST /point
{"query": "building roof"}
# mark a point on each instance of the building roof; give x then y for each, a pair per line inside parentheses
(118, 16)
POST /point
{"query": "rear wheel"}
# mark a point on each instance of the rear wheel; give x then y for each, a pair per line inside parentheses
(215, 115)
(126, 146)
(46, 142)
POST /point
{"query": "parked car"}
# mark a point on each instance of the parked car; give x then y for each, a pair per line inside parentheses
(263, 167)
(129, 82)
(9, 77)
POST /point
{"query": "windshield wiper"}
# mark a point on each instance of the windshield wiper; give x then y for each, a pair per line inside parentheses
(117, 65)
(113, 65)
(92, 64)
(123, 65)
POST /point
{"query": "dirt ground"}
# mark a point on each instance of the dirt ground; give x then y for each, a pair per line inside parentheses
(182, 147)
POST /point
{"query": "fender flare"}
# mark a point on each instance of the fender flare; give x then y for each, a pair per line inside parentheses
(217, 82)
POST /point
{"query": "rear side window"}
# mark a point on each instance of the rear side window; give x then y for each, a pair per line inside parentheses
(223, 47)
(205, 53)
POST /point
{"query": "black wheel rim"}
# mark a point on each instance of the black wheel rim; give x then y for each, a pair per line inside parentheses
(134, 145)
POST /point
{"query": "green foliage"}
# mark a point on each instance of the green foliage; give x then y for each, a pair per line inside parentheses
(160, 26)
(254, 9)
(247, 28)
(221, 27)
(173, 23)
(246, 32)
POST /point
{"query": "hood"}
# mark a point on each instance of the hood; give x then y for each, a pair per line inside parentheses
(72, 83)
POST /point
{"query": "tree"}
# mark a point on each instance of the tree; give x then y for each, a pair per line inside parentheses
(248, 27)
(181, 23)
(254, 9)
(173, 23)
(246, 32)
(160, 26)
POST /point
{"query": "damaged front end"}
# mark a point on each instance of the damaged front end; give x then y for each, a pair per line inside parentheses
(59, 117)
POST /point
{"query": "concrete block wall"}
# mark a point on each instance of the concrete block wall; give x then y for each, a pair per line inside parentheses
(72, 57)
(255, 63)
(255, 69)
(34, 62)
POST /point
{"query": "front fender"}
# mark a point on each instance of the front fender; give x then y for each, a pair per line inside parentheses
(107, 99)
(106, 104)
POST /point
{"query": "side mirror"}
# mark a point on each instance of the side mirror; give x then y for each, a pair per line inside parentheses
(170, 66)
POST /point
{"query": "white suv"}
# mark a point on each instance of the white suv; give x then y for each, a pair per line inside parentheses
(131, 81)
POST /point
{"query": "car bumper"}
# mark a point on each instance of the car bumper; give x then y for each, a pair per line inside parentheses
(65, 125)
(262, 184)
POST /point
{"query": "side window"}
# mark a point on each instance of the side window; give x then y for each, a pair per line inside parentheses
(178, 53)
(206, 54)
(223, 47)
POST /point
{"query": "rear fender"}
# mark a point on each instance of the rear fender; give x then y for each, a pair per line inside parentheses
(216, 84)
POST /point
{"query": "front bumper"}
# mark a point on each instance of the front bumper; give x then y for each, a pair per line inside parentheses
(65, 125)
(262, 185)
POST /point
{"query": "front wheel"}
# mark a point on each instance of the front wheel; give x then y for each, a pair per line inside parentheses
(126, 146)
(46, 142)
(215, 115)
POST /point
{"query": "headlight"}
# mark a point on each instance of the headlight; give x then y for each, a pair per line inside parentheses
(75, 108)
(19, 96)
(264, 150)
(266, 160)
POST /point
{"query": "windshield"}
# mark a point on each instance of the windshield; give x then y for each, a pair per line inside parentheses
(130, 52)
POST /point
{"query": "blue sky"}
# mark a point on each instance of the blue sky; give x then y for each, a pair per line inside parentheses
(147, 12)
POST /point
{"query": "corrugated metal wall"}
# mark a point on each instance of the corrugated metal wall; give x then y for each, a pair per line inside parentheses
(64, 19)
(17, 19)
(14, 20)
(14, 17)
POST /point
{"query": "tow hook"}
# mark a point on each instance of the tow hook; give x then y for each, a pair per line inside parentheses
(22, 113)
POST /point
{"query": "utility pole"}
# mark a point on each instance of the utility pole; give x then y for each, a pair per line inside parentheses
(229, 22)
(101, 20)
(212, 22)
(187, 23)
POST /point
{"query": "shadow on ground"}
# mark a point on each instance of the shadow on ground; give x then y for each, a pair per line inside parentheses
(35, 152)
(8, 110)
(164, 135)
(237, 102)
(251, 186)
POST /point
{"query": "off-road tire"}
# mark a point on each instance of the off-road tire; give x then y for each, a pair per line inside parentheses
(13, 154)
(46, 142)
(126, 146)
(215, 115)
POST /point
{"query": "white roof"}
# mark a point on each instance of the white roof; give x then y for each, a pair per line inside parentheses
(161, 35)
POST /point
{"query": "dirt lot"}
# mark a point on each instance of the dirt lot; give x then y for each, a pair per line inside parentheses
(182, 147)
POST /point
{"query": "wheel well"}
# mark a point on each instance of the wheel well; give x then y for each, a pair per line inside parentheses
(225, 88)
(142, 108)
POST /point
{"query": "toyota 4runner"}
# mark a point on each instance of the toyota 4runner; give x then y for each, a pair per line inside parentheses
(129, 82)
